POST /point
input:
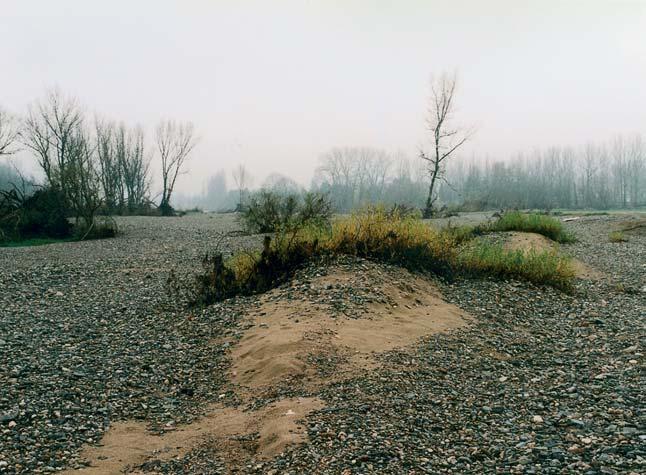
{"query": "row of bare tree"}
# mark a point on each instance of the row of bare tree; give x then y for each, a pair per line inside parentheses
(355, 176)
(598, 176)
(100, 165)
(594, 177)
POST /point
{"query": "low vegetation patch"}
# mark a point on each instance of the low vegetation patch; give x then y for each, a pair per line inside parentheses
(391, 237)
(374, 233)
(617, 236)
(539, 267)
(530, 223)
(269, 212)
(43, 217)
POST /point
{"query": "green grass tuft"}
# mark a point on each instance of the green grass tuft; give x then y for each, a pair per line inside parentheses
(539, 267)
(531, 223)
(617, 236)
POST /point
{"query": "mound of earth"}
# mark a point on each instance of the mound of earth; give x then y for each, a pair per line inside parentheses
(326, 325)
(532, 241)
(129, 446)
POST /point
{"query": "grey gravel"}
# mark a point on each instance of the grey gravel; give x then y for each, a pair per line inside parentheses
(541, 382)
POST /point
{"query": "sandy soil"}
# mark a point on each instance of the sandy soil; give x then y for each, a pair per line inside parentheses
(275, 349)
(129, 444)
(285, 331)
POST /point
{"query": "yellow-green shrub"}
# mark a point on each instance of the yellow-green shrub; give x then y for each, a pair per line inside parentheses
(390, 237)
(376, 234)
(617, 236)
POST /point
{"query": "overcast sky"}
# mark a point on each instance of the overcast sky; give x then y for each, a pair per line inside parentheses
(273, 84)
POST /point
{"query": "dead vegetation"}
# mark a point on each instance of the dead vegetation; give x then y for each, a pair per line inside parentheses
(385, 236)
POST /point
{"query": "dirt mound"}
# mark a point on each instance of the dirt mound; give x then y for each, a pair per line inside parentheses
(287, 332)
(303, 335)
(128, 445)
(525, 241)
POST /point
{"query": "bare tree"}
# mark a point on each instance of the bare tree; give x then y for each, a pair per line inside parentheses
(175, 141)
(8, 133)
(620, 170)
(636, 168)
(83, 182)
(109, 164)
(446, 138)
(589, 166)
(242, 179)
(49, 131)
(135, 167)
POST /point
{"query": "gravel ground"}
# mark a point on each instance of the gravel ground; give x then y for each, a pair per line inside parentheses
(542, 382)
(87, 335)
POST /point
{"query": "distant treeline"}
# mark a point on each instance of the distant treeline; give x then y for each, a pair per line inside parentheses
(352, 177)
(599, 176)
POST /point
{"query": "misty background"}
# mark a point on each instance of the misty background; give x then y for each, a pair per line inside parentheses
(278, 85)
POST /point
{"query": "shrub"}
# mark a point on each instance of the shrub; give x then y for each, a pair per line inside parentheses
(248, 273)
(376, 234)
(315, 211)
(41, 215)
(533, 223)
(165, 209)
(398, 239)
(269, 212)
(617, 236)
(216, 283)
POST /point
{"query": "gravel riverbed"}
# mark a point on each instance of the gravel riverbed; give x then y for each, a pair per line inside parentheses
(540, 382)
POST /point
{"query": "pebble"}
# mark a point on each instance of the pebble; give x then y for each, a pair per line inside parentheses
(438, 407)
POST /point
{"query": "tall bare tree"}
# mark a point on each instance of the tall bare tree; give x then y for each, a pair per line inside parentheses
(8, 133)
(50, 131)
(109, 164)
(636, 169)
(135, 167)
(175, 141)
(242, 179)
(83, 181)
(620, 169)
(446, 138)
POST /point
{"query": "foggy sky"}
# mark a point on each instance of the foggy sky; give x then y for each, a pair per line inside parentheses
(273, 84)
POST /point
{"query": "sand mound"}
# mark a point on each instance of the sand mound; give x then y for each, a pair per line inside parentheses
(344, 317)
(127, 445)
(526, 241)
(285, 332)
